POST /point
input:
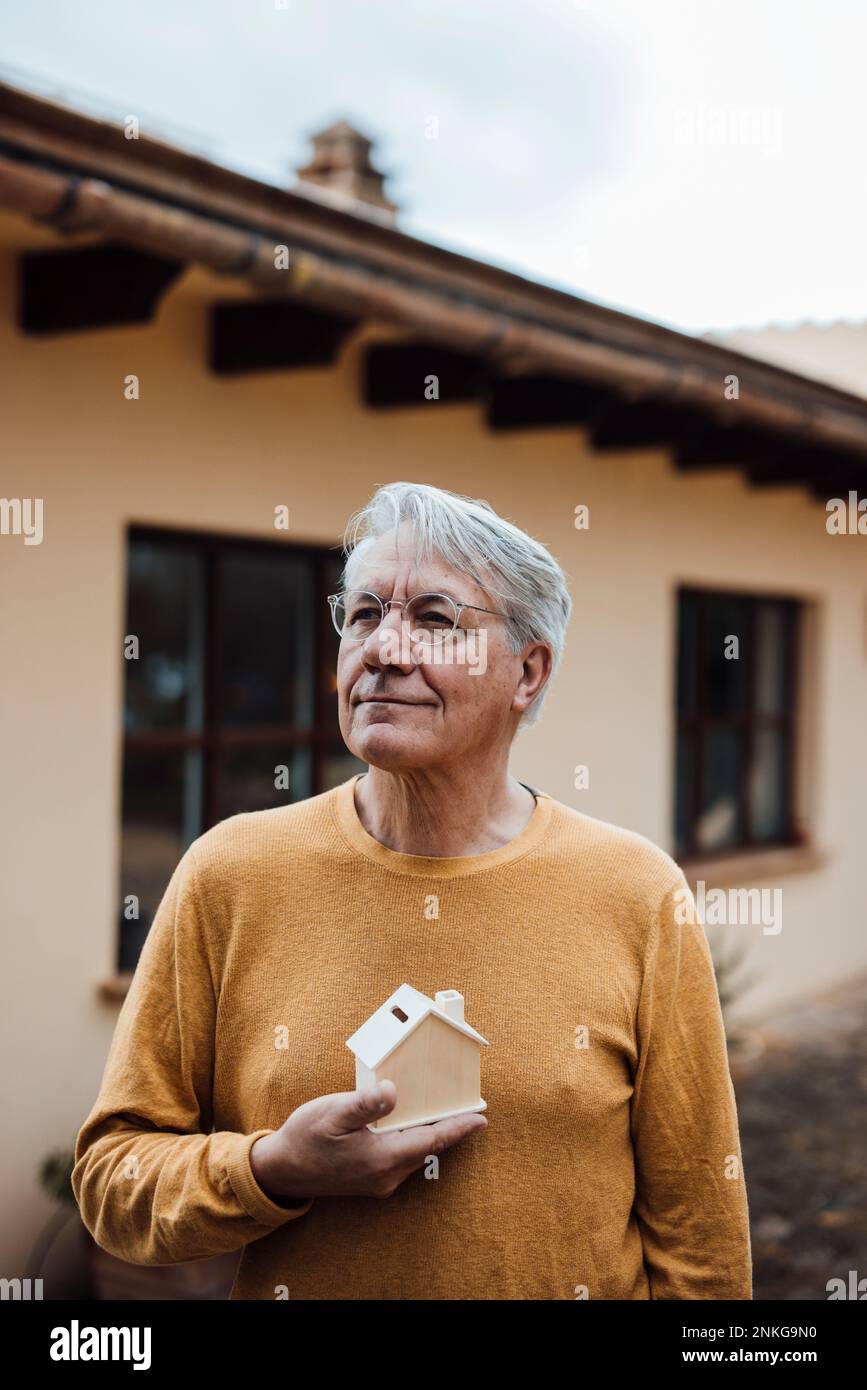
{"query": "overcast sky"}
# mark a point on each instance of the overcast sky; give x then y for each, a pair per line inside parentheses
(697, 161)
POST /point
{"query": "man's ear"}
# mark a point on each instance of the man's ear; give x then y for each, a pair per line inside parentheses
(537, 664)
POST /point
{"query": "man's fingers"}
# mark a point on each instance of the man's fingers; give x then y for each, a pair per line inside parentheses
(413, 1146)
(355, 1109)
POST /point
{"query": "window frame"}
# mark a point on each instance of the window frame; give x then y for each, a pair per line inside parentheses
(215, 736)
(789, 722)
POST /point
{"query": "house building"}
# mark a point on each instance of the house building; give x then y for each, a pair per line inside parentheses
(832, 352)
(202, 377)
(430, 1052)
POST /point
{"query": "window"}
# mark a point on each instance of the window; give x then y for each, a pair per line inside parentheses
(736, 678)
(233, 680)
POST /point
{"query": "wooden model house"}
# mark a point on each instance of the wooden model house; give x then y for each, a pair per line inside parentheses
(427, 1049)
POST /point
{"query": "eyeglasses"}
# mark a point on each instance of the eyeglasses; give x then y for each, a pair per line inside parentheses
(357, 613)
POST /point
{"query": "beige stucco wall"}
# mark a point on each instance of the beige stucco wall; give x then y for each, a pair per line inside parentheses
(217, 454)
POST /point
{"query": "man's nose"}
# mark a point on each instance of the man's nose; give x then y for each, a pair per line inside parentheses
(389, 645)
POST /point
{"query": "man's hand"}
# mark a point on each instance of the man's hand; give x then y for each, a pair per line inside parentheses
(324, 1148)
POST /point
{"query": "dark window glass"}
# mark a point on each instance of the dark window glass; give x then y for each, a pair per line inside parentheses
(719, 824)
(261, 776)
(687, 662)
(736, 665)
(724, 675)
(269, 618)
(165, 613)
(684, 787)
(774, 640)
(770, 785)
(161, 815)
(230, 700)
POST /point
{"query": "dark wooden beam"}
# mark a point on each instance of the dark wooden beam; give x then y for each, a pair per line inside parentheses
(838, 473)
(540, 402)
(778, 470)
(734, 446)
(272, 335)
(88, 287)
(824, 470)
(398, 374)
(789, 465)
(647, 423)
(774, 460)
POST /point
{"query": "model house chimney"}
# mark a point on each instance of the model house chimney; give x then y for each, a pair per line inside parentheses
(341, 165)
(451, 1003)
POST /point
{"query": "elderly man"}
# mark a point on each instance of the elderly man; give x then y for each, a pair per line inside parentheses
(607, 1163)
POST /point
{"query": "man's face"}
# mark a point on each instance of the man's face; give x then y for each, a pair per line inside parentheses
(397, 713)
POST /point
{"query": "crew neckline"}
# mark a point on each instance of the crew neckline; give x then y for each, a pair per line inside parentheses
(437, 866)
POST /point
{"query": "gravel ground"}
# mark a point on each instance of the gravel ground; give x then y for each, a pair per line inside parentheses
(803, 1121)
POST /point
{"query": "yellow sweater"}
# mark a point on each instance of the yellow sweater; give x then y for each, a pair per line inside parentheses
(611, 1165)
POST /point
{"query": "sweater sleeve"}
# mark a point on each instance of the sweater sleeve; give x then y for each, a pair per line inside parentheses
(691, 1201)
(155, 1185)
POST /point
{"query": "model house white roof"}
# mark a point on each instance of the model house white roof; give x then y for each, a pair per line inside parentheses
(385, 1030)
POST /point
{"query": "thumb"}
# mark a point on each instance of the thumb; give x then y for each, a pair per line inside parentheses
(360, 1108)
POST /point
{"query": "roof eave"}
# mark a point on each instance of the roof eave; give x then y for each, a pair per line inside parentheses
(181, 203)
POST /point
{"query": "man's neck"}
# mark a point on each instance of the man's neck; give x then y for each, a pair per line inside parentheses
(429, 814)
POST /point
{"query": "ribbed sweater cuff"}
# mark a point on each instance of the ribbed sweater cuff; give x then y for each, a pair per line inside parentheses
(255, 1202)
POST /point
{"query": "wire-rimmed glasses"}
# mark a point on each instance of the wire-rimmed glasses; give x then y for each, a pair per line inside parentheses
(357, 613)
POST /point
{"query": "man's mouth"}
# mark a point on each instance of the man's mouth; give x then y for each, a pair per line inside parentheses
(389, 700)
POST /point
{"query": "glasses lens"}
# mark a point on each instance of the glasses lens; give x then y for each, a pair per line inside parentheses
(357, 614)
(432, 615)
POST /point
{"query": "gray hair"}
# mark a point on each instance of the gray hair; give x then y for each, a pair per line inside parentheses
(470, 536)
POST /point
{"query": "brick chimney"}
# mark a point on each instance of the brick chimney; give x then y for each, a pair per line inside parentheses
(341, 165)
